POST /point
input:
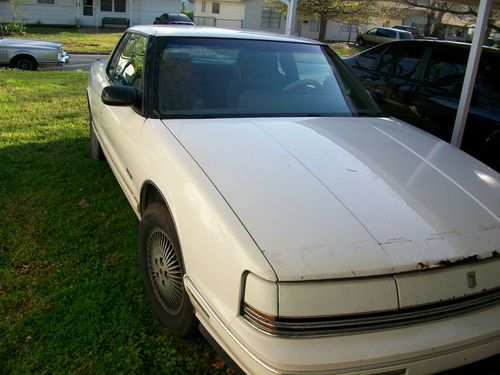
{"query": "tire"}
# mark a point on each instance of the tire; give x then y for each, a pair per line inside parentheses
(24, 63)
(361, 42)
(95, 147)
(163, 271)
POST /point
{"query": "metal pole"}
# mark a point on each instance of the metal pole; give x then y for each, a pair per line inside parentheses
(471, 71)
(291, 16)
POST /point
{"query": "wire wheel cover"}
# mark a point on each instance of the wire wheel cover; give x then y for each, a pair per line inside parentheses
(165, 271)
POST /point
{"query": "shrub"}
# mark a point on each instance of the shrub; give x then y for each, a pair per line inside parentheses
(14, 28)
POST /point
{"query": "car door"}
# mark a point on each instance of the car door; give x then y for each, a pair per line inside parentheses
(371, 36)
(439, 97)
(385, 35)
(121, 126)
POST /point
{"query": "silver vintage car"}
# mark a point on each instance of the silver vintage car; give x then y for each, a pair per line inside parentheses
(30, 54)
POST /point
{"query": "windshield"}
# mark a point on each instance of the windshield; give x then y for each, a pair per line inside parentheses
(179, 17)
(203, 77)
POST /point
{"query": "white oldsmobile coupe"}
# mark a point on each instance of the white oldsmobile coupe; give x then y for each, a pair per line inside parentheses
(27, 54)
(285, 217)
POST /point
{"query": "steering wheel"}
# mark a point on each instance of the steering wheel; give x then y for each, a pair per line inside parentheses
(302, 84)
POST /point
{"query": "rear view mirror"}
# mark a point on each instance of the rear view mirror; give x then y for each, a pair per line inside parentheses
(122, 96)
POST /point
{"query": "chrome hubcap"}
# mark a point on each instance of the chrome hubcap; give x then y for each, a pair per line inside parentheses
(165, 271)
(24, 65)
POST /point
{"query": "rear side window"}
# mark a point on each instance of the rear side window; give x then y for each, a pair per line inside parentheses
(386, 33)
(488, 69)
(401, 61)
(405, 36)
(445, 66)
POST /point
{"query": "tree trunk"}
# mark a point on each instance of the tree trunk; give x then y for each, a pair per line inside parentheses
(429, 23)
(322, 27)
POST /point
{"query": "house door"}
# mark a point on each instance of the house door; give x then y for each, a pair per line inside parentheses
(88, 12)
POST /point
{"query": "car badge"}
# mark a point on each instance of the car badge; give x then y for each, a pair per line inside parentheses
(471, 279)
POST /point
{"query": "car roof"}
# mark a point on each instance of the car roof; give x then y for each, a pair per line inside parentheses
(439, 43)
(212, 32)
(391, 28)
(405, 26)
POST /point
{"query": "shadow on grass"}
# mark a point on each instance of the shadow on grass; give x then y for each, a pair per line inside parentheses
(71, 297)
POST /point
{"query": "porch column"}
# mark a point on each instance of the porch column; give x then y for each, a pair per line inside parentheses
(77, 18)
(130, 12)
(471, 71)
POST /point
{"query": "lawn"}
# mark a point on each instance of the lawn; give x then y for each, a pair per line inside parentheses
(71, 295)
(76, 40)
(344, 49)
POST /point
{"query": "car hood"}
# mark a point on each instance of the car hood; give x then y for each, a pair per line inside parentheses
(340, 197)
(26, 43)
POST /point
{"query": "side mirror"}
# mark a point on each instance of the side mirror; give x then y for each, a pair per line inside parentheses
(122, 96)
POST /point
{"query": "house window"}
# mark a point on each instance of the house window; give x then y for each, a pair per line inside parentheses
(113, 5)
(271, 18)
(50, 2)
(313, 26)
(216, 8)
(88, 7)
(120, 6)
(106, 5)
(203, 6)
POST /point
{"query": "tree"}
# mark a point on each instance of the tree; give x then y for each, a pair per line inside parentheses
(435, 11)
(14, 6)
(341, 11)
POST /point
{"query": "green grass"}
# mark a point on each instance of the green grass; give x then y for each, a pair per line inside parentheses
(76, 40)
(71, 295)
(345, 50)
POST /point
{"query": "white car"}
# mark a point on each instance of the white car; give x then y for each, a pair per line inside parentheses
(282, 214)
(379, 35)
(27, 54)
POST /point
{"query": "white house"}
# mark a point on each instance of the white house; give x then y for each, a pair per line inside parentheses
(88, 12)
(220, 13)
(259, 15)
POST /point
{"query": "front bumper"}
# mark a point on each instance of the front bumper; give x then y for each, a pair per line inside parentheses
(417, 349)
(64, 59)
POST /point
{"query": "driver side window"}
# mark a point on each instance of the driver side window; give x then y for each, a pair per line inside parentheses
(127, 64)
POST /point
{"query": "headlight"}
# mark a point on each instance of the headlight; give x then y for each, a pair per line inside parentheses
(318, 308)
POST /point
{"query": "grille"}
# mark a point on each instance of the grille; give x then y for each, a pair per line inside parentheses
(337, 325)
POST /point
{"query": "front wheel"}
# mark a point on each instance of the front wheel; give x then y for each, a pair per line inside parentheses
(361, 42)
(24, 63)
(163, 271)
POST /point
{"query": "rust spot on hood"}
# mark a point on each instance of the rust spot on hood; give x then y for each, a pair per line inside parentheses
(452, 262)
(464, 260)
(422, 266)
